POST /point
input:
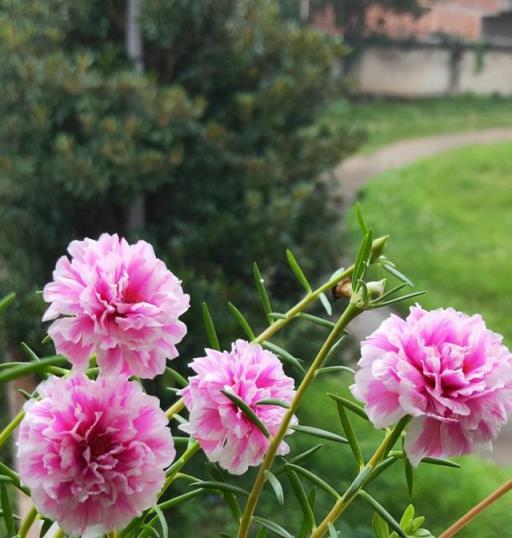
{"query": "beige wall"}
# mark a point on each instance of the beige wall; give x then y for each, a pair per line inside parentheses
(432, 71)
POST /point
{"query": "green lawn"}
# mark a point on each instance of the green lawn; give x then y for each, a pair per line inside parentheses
(450, 220)
(385, 121)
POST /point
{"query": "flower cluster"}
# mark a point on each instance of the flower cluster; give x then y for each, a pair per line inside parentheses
(443, 368)
(225, 434)
(93, 452)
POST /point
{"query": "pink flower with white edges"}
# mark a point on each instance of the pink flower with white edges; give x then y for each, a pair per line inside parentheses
(93, 453)
(443, 368)
(118, 301)
(225, 434)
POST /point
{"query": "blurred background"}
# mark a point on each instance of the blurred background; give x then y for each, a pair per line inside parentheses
(223, 132)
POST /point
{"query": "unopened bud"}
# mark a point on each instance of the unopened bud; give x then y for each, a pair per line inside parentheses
(376, 288)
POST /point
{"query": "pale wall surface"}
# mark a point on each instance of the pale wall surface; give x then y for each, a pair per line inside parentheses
(420, 71)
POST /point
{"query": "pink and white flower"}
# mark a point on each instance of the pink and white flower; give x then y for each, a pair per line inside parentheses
(93, 453)
(225, 434)
(443, 368)
(118, 301)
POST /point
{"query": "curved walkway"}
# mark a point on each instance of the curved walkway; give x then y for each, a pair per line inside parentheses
(357, 171)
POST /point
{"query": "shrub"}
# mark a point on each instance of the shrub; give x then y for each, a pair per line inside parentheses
(221, 140)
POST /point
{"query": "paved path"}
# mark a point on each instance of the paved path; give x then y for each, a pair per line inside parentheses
(356, 172)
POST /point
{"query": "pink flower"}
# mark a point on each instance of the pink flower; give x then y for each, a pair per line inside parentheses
(222, 430)
(445, 369)
(93, 452)
(118, 301)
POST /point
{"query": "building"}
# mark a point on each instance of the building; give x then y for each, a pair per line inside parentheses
(456, 46)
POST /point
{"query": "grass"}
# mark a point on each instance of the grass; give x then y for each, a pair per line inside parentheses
(385, 121)
(450, 219)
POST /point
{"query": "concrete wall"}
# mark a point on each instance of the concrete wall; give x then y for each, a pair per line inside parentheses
(422, 71)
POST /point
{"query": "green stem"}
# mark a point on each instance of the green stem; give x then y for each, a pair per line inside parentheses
(15, 422)
(26, 368)
(361, 480)
(27, 522)
(377, 247)
(245, 522)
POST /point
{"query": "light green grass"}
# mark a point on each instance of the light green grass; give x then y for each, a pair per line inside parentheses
(450, 221)
(385, 121)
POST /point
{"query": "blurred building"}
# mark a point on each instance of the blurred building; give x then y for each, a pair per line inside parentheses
(456, 46)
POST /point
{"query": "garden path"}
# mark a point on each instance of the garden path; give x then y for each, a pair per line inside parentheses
(355, 172)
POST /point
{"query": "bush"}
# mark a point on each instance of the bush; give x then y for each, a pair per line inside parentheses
(221, 140)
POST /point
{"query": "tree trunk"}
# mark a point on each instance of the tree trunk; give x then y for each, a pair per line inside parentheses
(136, 218)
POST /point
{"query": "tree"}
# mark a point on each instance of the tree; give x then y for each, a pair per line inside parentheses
(351, 14)
(223, 138)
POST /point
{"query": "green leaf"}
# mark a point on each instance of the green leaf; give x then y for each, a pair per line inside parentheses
(273, 401)
(317, 432)
(8, 374)
(309, 517)
(151, 530)
(417, 522)
(25, 394)
(362, 260)
(14, 476)
(303, 456)
(7, 300)
(242, 321)
(45, 527)
(162, 520)
(349, 432)
(271, 526)
(333, 533)
(284, 355)
(308, 317)
(380, 527)
(398, 299)
(262, 292)
(330, 369)
(210, 328)
(313, 478)
(7, 510)
(301, 277)
(407, 518)
(325, 303)
(276, 486)
(360, 218)
(383, 513)
(382, 466)
(176, 377)
(441, 461)
(390, 268)
(392, 291)
(359, 411)
(316, 319)
(31, 355)
(262, 533)
(409, 475)
(180, 498)
(247, 411)
(221, 486)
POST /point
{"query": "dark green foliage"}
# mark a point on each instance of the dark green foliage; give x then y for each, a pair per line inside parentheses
(222, 138)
